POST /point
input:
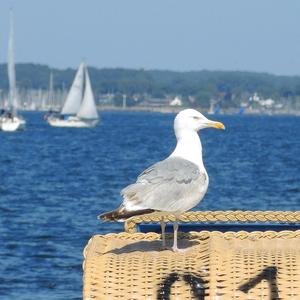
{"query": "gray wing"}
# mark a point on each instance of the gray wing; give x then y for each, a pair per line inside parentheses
(174, 184)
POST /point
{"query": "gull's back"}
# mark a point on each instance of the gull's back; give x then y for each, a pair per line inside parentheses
(174, 184)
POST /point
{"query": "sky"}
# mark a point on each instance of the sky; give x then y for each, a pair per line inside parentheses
(181, 35)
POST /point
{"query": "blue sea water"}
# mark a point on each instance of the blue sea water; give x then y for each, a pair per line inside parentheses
(55, 181)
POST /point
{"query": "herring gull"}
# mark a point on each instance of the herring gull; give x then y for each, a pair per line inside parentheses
(175, 184)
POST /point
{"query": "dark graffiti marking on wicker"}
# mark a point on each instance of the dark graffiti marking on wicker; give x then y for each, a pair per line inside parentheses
(196, 284)
(269, 274)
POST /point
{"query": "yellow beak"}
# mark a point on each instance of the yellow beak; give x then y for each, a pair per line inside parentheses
(217, 125)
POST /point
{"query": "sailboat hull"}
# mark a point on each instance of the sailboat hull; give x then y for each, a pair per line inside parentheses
(12, 124)
(72, 122)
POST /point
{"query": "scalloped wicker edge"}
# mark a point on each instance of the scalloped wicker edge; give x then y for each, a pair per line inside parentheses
(216, 216)
(202, 235)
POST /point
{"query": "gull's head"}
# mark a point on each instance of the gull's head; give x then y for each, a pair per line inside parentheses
(193, 120)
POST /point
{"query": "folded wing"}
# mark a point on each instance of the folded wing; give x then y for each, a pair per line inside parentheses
(174, 184)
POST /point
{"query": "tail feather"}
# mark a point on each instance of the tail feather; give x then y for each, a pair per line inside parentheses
(121, 214)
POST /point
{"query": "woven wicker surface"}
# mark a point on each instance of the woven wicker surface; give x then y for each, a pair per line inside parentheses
(214, 216)
(240, 265)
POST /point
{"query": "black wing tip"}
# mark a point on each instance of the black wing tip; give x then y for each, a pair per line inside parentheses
(109, 216)
(122, 214)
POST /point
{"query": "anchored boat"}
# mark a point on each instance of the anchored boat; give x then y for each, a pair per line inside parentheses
(9, 119)
(79, 109)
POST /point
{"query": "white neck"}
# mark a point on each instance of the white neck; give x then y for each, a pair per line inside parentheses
(189, 147)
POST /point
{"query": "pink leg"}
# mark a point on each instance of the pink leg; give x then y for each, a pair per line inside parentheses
(175, 226)
(163, 236)
(175, 248)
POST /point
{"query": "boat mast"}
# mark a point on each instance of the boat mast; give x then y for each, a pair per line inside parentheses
(50, 93)
(11, 68)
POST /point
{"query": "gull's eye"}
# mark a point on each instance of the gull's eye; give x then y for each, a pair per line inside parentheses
(196, 118)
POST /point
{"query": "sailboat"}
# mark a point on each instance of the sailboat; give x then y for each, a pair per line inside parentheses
(79, 109)
(10, 120)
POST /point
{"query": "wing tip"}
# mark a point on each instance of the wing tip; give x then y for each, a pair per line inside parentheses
(122, 214)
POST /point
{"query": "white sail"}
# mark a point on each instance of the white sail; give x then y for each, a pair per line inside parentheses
(11, 68)
(74, 97)
(88, 109)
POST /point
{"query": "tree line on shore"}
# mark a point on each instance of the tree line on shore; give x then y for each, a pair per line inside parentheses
(196, 87)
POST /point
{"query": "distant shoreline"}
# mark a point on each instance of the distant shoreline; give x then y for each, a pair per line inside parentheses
(170, 109)
(161, 109)
(174, 110)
